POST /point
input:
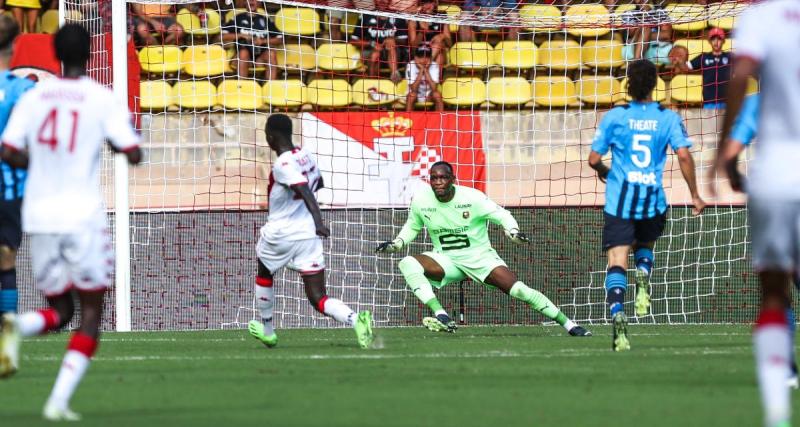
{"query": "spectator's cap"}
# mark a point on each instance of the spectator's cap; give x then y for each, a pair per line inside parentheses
(716, 32)
(423, 51)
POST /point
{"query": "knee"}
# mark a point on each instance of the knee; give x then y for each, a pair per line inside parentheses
(410, 265)
(8, 258)
(244, 55)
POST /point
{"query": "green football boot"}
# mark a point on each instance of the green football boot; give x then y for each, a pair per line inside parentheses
(256, 330)
(620, 339)
(642, 303)
(363, 329)
(440, 323)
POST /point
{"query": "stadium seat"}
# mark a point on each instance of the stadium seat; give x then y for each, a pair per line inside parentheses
(540, 18)
(371, 92)
(240, 95)
(752, 86)
(297, 57)
(509, 90)
(694, 46)
(196, 94)
(463, 91)
(560, 54)
(402, 91)
(204, 60)
(687, 17)
(602, 54)
(160, 59)
(299, 21)
(659, 94)
(587, 20)
(452, 11)
(621, 9)
(519, 54)
(471, 55)
(192, 26)
(723, 15)
(338, 57)
(49, 24)
(727, 45)
(155, 95)
(687, 89)
(599, 90)
(329, 93)
(285, 93)
(554, 92)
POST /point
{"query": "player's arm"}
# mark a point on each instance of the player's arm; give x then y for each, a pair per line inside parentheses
(14, 157)
(680, 143)
(600, 146)
(304, 192)
(407, 234)
(500, 216)
(119, 132)
(596, 163)
(132, 153)
(14, 138)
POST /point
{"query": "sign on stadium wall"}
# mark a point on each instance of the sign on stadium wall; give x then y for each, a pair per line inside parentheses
(382, 158)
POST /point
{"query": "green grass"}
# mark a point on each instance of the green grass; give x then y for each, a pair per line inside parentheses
(480, 376)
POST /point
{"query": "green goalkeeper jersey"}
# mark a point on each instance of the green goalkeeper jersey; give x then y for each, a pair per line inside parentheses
(456, 227)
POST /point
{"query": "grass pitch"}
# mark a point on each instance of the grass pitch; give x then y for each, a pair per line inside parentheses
(480, 376)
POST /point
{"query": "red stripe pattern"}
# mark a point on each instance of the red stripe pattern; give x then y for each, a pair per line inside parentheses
(771, 317)
(83, 343)
(265, 282)
(51, 318)
(321, 304)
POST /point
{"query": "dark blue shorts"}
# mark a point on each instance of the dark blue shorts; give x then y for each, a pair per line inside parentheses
(619, 232)
(10, 223)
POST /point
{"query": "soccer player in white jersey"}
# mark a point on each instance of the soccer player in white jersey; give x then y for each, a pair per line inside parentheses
(58, 130)
(292, 237)
(457, 218)
(766, 39)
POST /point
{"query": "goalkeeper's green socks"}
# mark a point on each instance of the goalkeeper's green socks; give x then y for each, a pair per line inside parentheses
(420, 286)
(540, 303)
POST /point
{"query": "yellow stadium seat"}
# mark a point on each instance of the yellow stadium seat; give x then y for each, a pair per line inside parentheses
(509, 90)
(694, 46)
(554, 92)
(204, 60)
(374, 92)
(192, 26)
(471, 55)
(752, 86)
(160, 59)
(540, 18)
(619, 10)
(603, 90)
(297, 57)
(350, 23)
(659, 94)
(560, 54)
(49, 23)
(723, 15)
(284, 93)
(519, 54)
(402, 91)
(727, 45)
(687, 89)
(687, 17)
(301, 21)
(240, 95)
(452, 11)
(155, 95)
(464, 91)
(602, 54)
(232, 13)
(338, 57)
(329, 93)
(197, 94)
(587, 20)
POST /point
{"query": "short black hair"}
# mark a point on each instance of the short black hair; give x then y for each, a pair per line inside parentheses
(280, 124)
(642, 78)
(72, 45)
(423, 51)
(445, 164)
(9, 30)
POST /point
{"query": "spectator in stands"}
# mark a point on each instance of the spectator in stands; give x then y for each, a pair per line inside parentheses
(254, 35)
(716, 69)
(432, 34)
(499, 11)
(649, 33)
(381, 40)
(423, 75)
(338, 17)
(25, 12)
(401, 6)
(156, 18)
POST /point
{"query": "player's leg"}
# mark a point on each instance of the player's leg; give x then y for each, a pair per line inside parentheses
(618, 236)
(419, 272)
(243, 62)
(646, 232)
(264, 330)
(10, 240)
(793, 381)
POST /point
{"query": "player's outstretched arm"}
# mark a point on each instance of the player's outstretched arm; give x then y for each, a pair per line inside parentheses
(596, 163)
(305, 193)
(407, 234)
(686, 162)
(497, 215)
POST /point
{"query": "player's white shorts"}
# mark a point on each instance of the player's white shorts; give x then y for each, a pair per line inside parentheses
(83, 261)
(303, 256)
(775, 225)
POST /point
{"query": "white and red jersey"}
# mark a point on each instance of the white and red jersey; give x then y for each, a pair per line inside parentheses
(289, 218)
(769, 33)
(63, 123)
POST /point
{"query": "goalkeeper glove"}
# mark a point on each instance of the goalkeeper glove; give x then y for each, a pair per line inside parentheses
(517, 236)
(390, 247)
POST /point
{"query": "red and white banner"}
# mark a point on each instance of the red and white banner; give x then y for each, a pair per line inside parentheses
(381, 158)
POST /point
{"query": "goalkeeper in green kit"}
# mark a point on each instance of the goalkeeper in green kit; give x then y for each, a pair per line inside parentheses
(456, 218)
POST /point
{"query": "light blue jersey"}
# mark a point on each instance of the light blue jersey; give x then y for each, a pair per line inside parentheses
(744, 129)
(12, 181)
(638, 135)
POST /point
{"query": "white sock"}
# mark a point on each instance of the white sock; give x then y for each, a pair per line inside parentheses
(338, 310)
(772, 346)
(441, 311)
(265, 303)
(36, 322)
(569, 325)
(72, 369)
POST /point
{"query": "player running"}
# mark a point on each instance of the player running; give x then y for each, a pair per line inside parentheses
(62, 124)
(12, 180)
(772, 184)
(292, 237)
(635, 212)
(456, 218)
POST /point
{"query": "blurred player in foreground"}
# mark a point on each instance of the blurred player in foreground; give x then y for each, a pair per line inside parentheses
(456, 218)
(292, 237)
(61, 125)
(635, 212)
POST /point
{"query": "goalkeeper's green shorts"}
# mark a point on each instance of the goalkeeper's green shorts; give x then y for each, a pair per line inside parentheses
(476, 265)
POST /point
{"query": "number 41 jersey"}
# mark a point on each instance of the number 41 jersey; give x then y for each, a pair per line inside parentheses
(289, 218)
(638, 135)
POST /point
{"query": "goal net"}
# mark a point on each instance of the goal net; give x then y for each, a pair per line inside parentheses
(522, 88)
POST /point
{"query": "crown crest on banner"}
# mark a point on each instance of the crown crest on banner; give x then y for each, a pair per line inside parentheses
(392, 125)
